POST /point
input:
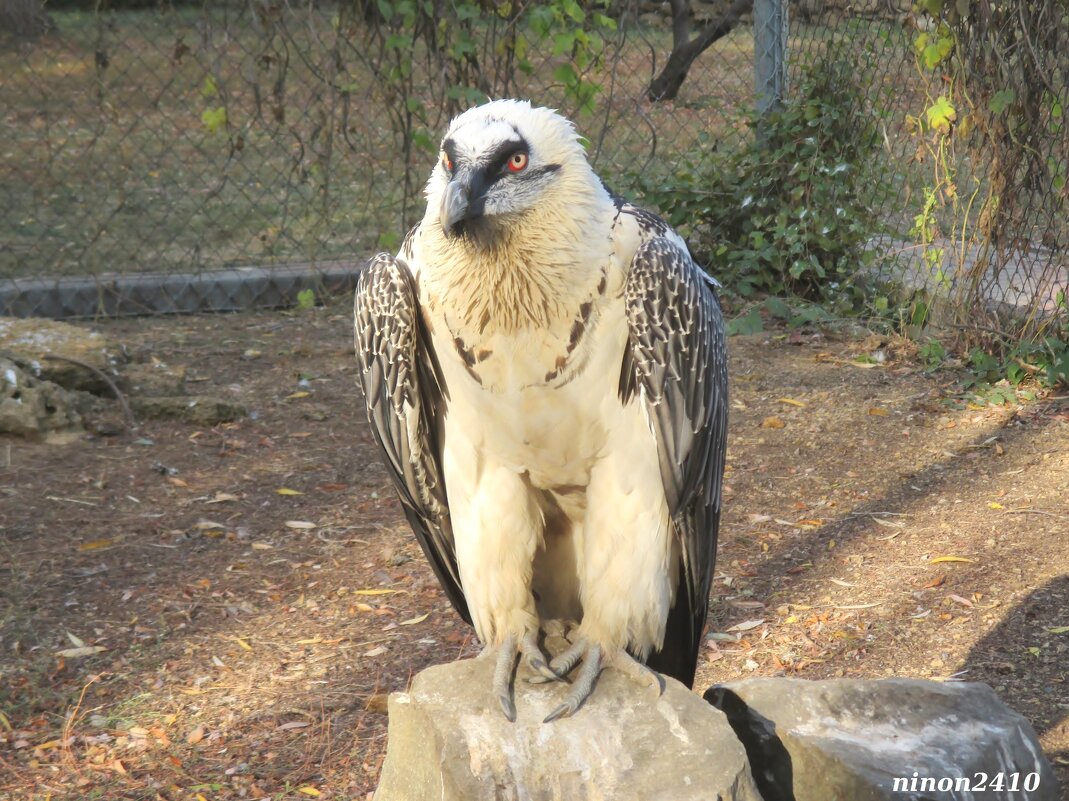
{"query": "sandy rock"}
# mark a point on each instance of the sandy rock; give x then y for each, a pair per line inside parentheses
(35, 340)
(200, 410)
(448, 740)
(30, 407)
(850, 739)
(153, 380)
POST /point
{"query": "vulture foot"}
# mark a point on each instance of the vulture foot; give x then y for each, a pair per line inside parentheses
(506, 662)
(592, 657)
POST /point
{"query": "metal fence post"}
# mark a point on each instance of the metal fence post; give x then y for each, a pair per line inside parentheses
(770, 53)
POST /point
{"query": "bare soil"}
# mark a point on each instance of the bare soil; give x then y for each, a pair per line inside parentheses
(218, 613)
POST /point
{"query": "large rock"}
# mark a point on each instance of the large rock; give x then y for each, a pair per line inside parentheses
(850, 740)
(30, 407)
(448, 740)
(40, 341)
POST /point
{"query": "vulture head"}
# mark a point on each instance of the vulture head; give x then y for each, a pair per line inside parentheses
(502, 164)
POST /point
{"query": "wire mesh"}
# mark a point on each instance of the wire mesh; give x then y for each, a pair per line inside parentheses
(182, 140)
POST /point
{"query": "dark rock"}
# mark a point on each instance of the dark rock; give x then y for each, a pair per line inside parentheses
(853, 740)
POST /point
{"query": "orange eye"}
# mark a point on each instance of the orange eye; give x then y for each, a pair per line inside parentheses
(446, 162)
(518, 162)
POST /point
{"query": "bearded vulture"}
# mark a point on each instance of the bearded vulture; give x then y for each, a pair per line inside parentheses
(545, 370)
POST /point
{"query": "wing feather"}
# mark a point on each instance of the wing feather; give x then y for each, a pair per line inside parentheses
(406, 399)
(676, 362)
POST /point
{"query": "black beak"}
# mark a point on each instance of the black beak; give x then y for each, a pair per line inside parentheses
(463, 201)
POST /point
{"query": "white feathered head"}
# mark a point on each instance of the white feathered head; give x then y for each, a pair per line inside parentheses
(502, 163)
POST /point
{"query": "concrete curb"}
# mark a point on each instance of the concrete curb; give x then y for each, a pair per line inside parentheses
(232, 289)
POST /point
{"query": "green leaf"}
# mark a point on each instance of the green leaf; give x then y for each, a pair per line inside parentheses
(941, 114)
(1001, 100)
(214, 119)
(306, 299)
(209, 88)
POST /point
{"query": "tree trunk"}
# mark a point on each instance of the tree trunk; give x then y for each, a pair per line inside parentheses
(685, 50)
(24, 19)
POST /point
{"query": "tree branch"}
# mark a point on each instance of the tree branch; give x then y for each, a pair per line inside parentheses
(685, 50)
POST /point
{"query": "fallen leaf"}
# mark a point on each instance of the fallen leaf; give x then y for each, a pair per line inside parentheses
(373, 592)
(936, 560)
(792, 402)
(1059, 630)
(77, 642)
(746, 625)
(994, 505)
(294, 724)
(772, 422)
(262, 546)
(414, 620)
(876, 411)
(207, 525)
(288, 491)
(75, 653)
(177, 482)
(960, 600)
(195, 736)
(222, 497)
(887, 523)
(298, 395)
(302, 525)
(376, 651)
(309, 791)
(95, 545)
(242, 643)
(936, 582)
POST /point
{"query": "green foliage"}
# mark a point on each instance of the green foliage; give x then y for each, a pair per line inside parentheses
(306, 300)
(792, 212)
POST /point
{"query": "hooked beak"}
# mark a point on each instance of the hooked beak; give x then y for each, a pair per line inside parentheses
(462, 202)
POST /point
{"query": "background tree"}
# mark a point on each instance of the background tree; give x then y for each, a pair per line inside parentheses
(24, 18)
(685, 49)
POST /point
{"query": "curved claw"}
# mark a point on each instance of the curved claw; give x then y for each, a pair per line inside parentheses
(584, 682)
(545, 672)
(508, 706)
(561, 711)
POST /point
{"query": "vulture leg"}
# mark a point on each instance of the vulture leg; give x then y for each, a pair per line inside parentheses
(593, 657)
(506, 661)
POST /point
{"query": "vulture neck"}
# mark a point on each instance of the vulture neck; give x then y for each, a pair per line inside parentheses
(534, 275)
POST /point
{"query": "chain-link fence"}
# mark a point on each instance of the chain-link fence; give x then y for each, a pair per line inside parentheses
(974, 153)
(181, 140)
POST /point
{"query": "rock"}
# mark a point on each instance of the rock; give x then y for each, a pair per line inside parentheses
(449, 740)
(30, 407)
(851, 740)
(153, 380)
(34, 340)
(200, 410)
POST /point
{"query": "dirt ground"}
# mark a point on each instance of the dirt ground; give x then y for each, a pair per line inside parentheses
(234, 602)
